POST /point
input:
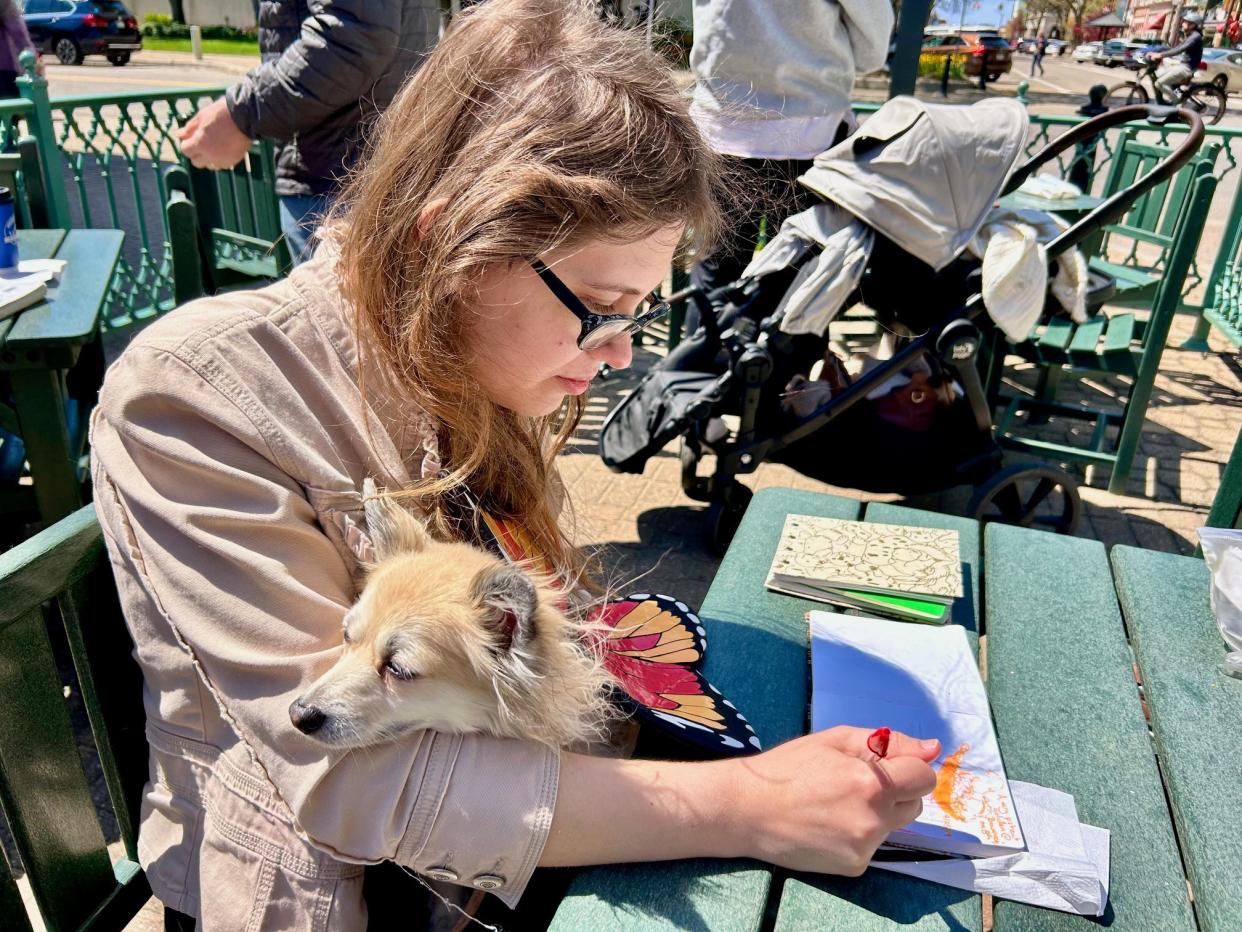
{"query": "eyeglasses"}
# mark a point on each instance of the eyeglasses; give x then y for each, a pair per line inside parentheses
(599, 329)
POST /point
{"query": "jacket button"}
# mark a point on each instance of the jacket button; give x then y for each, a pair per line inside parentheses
(442, 873)
(488, 881)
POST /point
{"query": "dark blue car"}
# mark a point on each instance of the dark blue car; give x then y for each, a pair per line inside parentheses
(73, 29)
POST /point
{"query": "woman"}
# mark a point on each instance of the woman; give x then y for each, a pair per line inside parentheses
(419, 347)
(14, 39)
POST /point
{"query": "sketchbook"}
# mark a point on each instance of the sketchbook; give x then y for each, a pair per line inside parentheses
(913, 573)
(923, 681)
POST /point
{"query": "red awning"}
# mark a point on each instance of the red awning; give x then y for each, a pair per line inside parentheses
(1155, 22)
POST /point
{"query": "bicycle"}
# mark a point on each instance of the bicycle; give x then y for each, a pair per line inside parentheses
(1208, 100)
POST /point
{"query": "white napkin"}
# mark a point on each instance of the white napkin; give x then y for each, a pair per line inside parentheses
(1065, 865)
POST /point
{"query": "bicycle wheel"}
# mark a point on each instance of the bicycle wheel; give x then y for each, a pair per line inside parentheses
(1126, 94)
(1208, 100)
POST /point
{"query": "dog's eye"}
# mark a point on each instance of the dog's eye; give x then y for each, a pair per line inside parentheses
(392, 668)
(348, 639)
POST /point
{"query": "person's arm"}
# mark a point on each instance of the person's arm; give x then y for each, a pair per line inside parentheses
(1180, 48)
(869, 26)
(818, 803)
(344, 46)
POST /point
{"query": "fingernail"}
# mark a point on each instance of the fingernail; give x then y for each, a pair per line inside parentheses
(929, 744)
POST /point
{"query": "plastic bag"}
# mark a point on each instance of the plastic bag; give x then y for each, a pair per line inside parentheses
(1222, 549)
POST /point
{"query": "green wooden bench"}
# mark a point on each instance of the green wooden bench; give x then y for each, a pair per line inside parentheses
(57, 587)
(1136, 250)
(1119, 344)
(224, 226)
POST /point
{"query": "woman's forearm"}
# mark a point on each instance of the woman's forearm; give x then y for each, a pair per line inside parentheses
(615, 811)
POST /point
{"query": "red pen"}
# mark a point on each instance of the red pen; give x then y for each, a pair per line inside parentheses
(877, 742)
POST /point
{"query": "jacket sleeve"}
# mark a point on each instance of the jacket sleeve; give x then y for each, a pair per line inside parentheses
(344, 47)
(230, 550)
(869, 27)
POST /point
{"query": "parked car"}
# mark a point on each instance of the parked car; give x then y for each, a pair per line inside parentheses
(1111, 53)
(1056, 47)
(73, 29)
(1223, 67)
(1138, 50)
(1086, 52)
(983, 50)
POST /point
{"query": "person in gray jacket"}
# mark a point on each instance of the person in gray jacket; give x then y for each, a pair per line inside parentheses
(772, 91)
(328, 67)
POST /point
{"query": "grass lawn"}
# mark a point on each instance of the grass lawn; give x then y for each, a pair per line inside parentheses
(210, 46)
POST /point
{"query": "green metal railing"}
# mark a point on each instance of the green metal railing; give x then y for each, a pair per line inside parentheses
(112, 154)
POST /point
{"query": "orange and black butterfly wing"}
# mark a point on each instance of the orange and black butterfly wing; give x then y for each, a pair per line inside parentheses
(653, 647)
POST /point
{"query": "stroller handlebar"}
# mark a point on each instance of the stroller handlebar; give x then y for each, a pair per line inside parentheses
(1116, 206)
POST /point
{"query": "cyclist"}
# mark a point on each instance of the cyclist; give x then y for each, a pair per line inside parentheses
(1181, 61)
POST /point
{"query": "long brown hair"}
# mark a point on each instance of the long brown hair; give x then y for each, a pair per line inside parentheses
(540, 127)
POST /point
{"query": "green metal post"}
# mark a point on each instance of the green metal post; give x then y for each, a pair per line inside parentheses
(904, 68)
(1198, 340)
(1023, 87)
(1194, 212)
(33, 88)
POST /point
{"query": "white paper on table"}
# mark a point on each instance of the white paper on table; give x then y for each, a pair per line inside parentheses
(1065, 865)
(44, 270)
(922, 681)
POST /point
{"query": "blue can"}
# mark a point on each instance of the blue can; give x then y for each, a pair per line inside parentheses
(8, 223)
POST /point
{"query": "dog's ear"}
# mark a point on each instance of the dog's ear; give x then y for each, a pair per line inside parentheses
(509, 601)
(392, 528)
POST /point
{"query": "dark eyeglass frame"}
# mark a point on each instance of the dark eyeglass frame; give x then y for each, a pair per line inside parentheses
(592, 322)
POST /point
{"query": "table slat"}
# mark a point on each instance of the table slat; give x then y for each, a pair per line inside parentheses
(71, 311)
(878, 900)
(757, 656)
(1068, 717)
(1196, 714)
(32, 244)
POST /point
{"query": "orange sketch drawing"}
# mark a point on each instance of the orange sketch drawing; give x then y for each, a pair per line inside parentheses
(945, 794)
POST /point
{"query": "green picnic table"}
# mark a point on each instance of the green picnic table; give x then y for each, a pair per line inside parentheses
(1067, 630)
(53, 359)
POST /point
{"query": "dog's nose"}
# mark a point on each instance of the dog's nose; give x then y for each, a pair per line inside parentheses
(306, 718)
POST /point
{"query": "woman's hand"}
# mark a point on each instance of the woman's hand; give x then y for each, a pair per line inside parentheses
(818, 803)
(823, 803)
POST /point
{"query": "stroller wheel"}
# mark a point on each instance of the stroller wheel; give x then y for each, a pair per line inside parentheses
(724, 515)
(1030, 495)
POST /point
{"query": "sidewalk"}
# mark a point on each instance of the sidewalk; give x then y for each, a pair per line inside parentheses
(233, 64)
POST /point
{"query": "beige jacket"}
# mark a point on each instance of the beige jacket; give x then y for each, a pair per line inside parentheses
(229, 453)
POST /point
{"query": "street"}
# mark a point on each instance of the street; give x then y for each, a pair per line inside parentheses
(148, 71)
(1063, 86)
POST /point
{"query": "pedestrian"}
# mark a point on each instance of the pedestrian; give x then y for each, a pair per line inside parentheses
(420, 347)
(1178, 64)
(1041, 49)
(14, 39)
(773, 83)
(328, 66)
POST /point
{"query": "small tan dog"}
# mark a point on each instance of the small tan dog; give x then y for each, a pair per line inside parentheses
(450, 637)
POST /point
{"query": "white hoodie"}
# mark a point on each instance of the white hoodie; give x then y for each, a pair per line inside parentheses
(773, 78)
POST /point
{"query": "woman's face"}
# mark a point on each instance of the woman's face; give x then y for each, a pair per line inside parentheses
(524, 341)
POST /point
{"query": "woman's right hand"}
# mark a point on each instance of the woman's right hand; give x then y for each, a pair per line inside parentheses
(823, 803)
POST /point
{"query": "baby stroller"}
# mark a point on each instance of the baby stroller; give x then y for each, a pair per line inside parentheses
(723, 390)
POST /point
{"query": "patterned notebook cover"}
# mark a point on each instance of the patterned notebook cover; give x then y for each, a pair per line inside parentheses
(869, 557)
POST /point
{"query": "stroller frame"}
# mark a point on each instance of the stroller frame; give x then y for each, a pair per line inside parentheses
(953, 343)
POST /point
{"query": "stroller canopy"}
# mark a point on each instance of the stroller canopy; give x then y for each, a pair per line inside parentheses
(924, 175)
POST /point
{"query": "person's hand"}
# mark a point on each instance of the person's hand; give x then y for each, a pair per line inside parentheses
(823, 803)
(212, 140)
(1154, 56)
(40, 66)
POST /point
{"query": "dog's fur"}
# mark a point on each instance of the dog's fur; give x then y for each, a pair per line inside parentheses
(449, 637)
